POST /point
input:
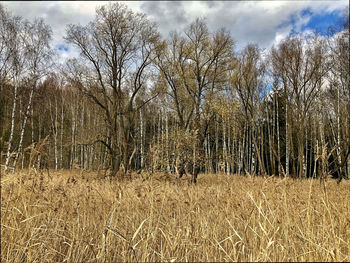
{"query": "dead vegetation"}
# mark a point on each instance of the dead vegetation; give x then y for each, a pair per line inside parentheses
(75, 216)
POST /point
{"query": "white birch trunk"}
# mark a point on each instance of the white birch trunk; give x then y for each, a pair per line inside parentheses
(54, 131)
(20, 146)
(287, 143)
(73, 139)
(210, 156)
(278, 137)
(141, 143)
(217, 147)
(62, 127)
(338, 130)
(39, 139)
(8, 157)
(206, 154)
(229, 152)
(32, 123)
(55, 137)
(167, 141)
(224, 147)
(239, 156)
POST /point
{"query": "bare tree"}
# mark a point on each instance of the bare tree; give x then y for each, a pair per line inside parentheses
(194, 66)
(38, 55)
(12, 64)
(116, 49)
(247, 80)
(339, 88)
(301, 66)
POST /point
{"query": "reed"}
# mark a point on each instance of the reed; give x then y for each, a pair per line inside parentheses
(75, 216)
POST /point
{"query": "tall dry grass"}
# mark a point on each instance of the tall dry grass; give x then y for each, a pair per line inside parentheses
(79, 217)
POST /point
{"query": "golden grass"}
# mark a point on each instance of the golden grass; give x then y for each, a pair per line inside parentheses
(80, 217)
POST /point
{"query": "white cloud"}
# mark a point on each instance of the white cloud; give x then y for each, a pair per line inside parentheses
(261, 22)
(195, 9)
(281, 34)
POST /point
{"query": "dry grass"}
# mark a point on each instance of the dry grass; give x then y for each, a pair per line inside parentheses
(80, 217)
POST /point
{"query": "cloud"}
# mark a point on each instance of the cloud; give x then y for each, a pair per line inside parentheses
(169, 16)
(261, 22)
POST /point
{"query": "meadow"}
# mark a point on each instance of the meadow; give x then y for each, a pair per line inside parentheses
(80, 216)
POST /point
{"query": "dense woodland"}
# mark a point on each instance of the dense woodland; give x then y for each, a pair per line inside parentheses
(191, 102)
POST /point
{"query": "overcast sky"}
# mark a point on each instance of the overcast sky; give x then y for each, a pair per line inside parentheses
(261, 22)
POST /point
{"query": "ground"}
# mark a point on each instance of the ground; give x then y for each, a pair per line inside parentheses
(79, 216)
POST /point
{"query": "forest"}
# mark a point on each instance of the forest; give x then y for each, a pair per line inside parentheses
(188, 103)
(92, 149)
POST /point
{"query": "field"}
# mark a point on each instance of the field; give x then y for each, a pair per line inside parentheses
(75, 216)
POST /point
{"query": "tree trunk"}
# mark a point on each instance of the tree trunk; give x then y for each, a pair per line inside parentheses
(55, 130)
(287, 143)
(216, 148)
(62, 126)
(23, 128)
(278, 137)
(141, 139)
(8, 154)
(72, 156)
(224, 150)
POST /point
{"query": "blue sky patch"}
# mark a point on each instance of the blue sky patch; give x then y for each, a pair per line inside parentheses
(321, 22)
(62, 48)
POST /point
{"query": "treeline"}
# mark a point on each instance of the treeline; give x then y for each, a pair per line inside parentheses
(133, 100)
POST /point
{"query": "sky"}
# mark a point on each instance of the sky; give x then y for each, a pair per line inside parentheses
(260, 22)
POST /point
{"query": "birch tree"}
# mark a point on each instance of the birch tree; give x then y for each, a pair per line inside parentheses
(13, 64)
(38, 54)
